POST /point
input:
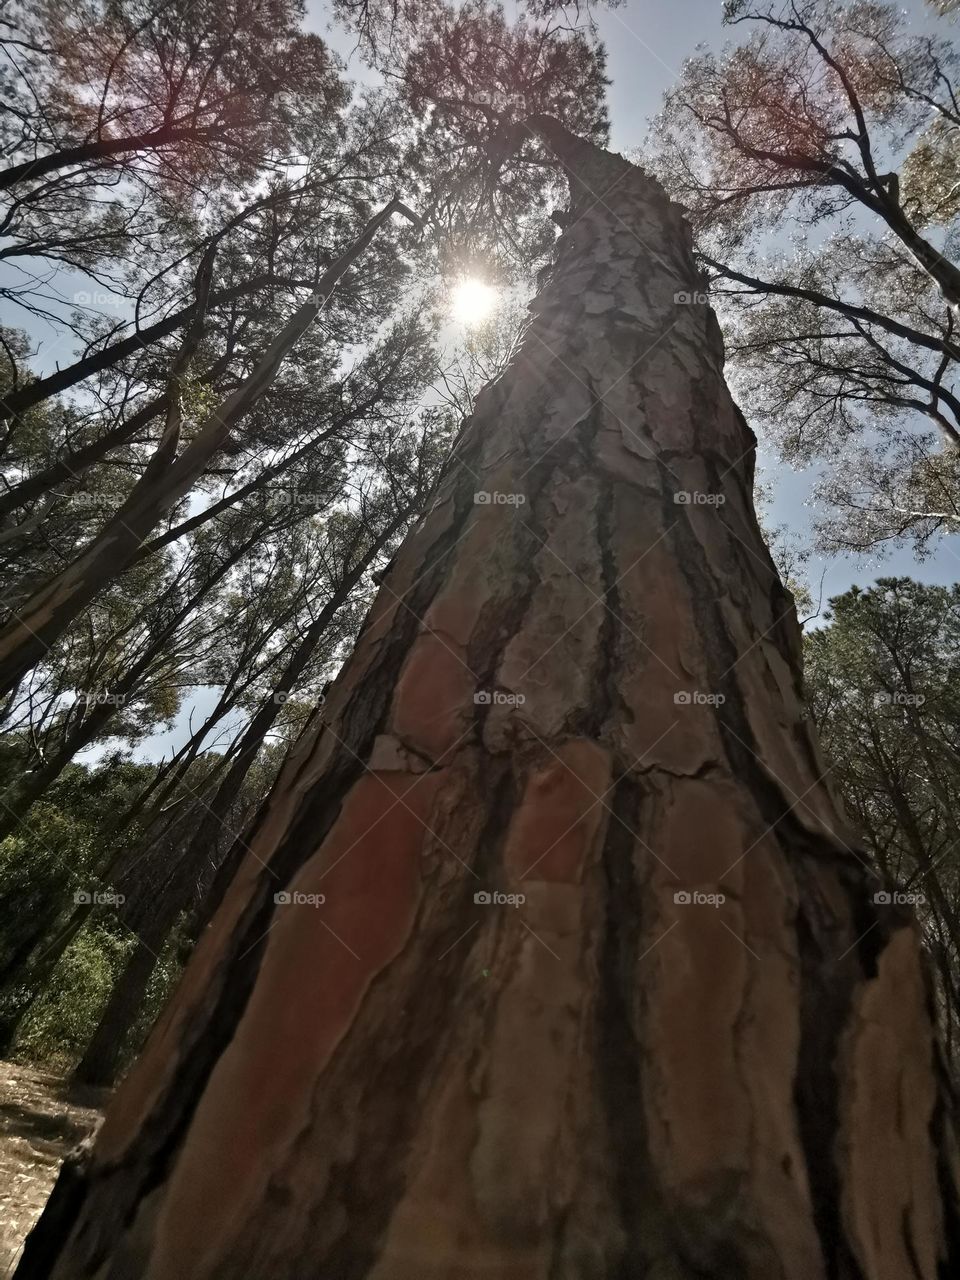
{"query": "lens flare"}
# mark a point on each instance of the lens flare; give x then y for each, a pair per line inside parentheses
(473, 301)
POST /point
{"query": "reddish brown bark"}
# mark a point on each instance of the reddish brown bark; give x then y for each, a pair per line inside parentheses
(604, 1081)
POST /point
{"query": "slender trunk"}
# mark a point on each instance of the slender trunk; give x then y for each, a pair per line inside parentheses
(41, 620)
(261, 723)
(940, 269)
(698, 1046)
(104, 1054)
(182, 888)
(72, 465)
(24, 979)
(18, 803)
(887, 207)
(170, 775)
(257, 484)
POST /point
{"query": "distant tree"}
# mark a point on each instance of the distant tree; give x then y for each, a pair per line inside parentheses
(122, 121)
(883, 680)
(57, 853)
(834, 121)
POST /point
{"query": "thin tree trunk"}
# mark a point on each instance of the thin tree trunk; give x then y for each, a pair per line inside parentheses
(169, 777)
(103, 1056)
(216, 811)
(22, 980)
(621, 1075)
(43, 619)
(72, 464)
(18, 400)
(18, 803)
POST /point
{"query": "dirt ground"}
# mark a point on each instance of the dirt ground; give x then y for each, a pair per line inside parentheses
(40, 1121)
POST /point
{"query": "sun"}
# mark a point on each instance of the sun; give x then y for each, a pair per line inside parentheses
(473, 301)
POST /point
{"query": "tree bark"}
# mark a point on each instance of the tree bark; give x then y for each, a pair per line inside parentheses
(605, 1080)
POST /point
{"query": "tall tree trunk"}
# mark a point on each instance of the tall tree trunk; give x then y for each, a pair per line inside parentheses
(216, 810)
(103, 1055)
(40, 621)
(621, 1075)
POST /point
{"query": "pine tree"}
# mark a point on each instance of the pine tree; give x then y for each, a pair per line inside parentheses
(600, 985)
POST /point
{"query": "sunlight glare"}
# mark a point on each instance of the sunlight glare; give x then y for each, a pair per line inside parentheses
(473, 301)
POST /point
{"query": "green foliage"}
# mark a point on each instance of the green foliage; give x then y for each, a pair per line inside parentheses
(59, 1024)
(930, 177)
(834, 125)
(62, 847)
(883, 683)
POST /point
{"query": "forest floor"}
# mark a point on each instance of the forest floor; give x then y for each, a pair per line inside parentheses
(41, 1119)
